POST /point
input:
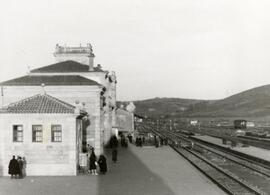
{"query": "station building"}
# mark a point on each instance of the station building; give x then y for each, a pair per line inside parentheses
(124, 120)
(51, 114)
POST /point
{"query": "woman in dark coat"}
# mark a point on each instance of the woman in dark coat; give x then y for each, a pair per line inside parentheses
(93, 167)
(102, 164)
(13, 167)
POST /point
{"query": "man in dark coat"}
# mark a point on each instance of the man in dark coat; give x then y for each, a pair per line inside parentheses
(20, 162)
(114, 142)
(102, 164)
(13, 167)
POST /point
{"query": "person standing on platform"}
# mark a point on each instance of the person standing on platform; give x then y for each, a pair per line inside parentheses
(114, 155)
(20, 167)
(102, 164)
(156, 142)
(24, 167)
(13, 168)
(114, 145)
(161, 141)
(130, 138)
(113, 142)
(137, 141)
(93, 161)
(124, 142)
(140, 141)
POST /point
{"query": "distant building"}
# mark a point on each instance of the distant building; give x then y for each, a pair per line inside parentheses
(125, 119)
(73, 80)
(138, 118)
(194, 122)
(250, 124)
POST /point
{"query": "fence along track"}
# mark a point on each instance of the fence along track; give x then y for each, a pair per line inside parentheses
(224, 179)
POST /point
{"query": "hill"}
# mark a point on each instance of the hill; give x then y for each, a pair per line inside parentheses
(164, 107)
(251, 103)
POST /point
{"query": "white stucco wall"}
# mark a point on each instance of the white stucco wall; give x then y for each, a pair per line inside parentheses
(90, 95)
(43, 158)
(108, 116)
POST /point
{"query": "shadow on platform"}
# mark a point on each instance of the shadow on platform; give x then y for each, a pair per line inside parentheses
(130, 176)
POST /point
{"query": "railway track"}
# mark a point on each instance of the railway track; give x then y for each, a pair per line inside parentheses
(227, 180)
(239, 155)
(257, 142)
(255, 164)
(255, 173)
(261, 139)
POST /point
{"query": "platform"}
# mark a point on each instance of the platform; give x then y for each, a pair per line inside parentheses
(145, 171)
(251, 150)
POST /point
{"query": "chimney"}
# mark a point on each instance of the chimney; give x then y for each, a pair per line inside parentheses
(91, 61)
(43, 89)
(91, 57)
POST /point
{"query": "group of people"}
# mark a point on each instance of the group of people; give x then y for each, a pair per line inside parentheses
(139, 141)
(17, 167)
(130, 138)
(159, 141)
(94, 162)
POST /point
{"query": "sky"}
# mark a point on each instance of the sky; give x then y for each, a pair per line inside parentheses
(199, 49)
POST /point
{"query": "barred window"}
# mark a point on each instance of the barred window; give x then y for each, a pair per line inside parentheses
(17, 133)
(56, 133)
(37, 133)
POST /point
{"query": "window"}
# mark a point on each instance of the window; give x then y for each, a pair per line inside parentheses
(56, 133)
(37, 133)
(17, 133)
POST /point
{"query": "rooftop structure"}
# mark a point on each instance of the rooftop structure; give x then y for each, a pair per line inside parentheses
(49, 80)
(41, 103)
(64, 67)
(81, 54)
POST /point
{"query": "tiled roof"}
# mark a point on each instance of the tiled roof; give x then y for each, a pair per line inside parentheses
(49, 80)
(66, 66)
(39, 104)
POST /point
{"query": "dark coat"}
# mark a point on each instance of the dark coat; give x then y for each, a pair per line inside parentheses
(114, 142)
(130, 138)
(13, 167)
(93, 160)
(20, 162)
(114, 155)
(102, 164)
